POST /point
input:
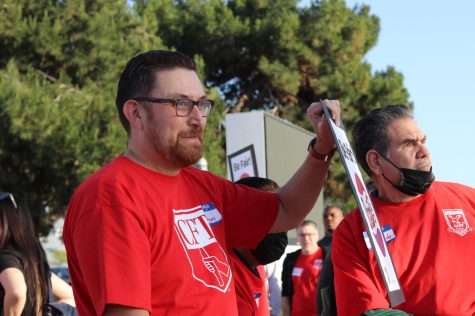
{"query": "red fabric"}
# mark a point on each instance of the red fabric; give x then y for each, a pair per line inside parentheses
(251, 291)
(434, 264)
(304, 281)
(142, 239)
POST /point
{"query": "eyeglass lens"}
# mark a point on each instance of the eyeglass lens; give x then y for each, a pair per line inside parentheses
(184, 107)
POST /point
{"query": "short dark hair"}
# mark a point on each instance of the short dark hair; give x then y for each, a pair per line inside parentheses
(331, 206)
(139, 76)
(371, 131)
(263, 184)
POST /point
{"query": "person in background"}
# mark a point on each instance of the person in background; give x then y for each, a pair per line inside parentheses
(428, 226)
(326, 303)
(24, 271)
(250, 278)
(300, 273)
(150, 234)
(332, 216)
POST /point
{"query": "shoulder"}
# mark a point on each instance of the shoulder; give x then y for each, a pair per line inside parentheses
(451, 187)
(325, 242)
(293, 255)
(13, 278)
(10, 258)
(352, 220)
(449, 192)
(350, 228)
(109, 174)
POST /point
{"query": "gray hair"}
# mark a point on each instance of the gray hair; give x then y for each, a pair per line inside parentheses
(371, 131)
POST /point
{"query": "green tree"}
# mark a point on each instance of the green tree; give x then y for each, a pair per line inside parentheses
(59, 67)
(265, 54)
(61, 60)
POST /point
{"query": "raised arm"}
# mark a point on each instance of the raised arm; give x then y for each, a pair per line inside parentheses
(299, 194)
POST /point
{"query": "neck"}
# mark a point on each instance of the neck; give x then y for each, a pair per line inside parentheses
(309, 251)
(158, 164)
(386, 192)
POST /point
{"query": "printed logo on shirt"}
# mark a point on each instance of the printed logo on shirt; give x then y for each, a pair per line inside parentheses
(213, 216)
(457, 222)
(388, 234)
(208, 261)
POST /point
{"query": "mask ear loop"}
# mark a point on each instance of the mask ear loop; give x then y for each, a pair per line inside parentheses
(395, 166)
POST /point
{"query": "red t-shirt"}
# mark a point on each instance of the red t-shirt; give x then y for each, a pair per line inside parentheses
(251, 291)
(141, 239)
(304, 282)
(432, 245)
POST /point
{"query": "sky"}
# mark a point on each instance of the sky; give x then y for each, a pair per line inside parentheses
(432, 43)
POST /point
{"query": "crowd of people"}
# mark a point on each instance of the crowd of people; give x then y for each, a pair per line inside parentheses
(149, 234)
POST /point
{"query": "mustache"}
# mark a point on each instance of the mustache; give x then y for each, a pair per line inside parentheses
(196, 133)
(423, 164)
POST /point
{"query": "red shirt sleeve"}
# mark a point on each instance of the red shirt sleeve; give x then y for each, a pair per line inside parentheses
(355, 288)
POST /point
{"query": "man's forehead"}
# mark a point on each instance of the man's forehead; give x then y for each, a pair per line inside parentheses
(179, 83)
(333, 210)
(402, 130)
(308, 227)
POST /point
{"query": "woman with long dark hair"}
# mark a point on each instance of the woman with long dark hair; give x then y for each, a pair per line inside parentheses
(24, 271)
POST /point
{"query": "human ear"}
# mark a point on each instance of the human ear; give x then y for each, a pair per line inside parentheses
(372, 159)
(133, 112)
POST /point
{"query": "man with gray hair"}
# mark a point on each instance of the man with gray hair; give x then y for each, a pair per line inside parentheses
(300, 273)
(427, 226)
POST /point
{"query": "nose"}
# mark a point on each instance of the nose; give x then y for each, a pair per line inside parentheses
(196, 117)
(423, 152)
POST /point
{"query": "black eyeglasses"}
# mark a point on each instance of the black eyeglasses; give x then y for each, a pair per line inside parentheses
(8, 195)
(183, 106)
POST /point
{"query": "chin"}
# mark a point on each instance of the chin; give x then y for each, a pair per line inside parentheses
(188, 159)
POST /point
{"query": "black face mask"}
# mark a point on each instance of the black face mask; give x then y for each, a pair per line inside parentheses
(413, 182)
(271, 248)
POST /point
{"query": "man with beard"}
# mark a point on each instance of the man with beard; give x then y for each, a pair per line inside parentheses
(427, 225)
(147, 233)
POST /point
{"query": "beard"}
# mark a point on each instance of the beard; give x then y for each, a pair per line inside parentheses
(175, 151)
(184, 156)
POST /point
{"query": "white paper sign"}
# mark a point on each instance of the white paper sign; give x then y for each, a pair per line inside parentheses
(243, 163)
(368, 213)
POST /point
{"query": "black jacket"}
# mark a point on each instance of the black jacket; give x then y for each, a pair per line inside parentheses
(288, 266)
(326, 302)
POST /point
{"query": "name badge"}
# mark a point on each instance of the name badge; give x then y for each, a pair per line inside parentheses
(297, 272)
(318, 263)
(387, 232)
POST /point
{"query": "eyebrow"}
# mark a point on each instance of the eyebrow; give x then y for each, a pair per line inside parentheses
(184, 96)
(412, 141)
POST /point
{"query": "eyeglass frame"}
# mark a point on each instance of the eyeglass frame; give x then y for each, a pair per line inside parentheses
(5, 195)
(175, 102)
